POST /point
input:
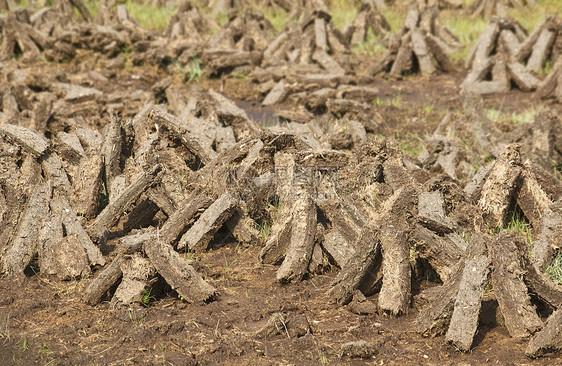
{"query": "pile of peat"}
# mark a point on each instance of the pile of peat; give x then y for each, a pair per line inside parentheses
(123, 183)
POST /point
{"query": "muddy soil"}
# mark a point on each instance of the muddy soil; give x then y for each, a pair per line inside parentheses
(45, 322)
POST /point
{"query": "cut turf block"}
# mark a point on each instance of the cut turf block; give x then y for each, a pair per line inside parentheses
(113, 211)
(23, 245)
(464, 320)
(178, 274)
(349, 278)
(549, 339)
(200, 234)
(520, 316)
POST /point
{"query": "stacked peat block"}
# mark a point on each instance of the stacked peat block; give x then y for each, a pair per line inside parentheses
(368, 18)
(518, 182)
(505, 55)
(190, 23)
(139, 165)
(422, 44)
(238, 45)
(183, 41)
(326, 216)
(539, 139)
(296, 9)
(45, 223)
(492, 60)
(301, 58)
(20, 38)
(455, 306)
(446, 150)
(489, 8)
(225, 6)
(57, 31)
(544, 46)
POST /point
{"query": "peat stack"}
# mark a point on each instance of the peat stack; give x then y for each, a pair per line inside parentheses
(368, 18)
(422, 44)
(46, 229)
(492, 60)
(542, 47)
(551, 86)
(489, 8)
(238, 45)
(455, 306)
(152, 168)
(189, 22)
(297, 8)
(446, 150)
(307, 56)
(20, 39)
(324, 219)
(225, 6)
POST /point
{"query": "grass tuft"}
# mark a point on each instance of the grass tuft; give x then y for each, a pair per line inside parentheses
(516, 223)
(146, 297)
(278, 19)
(190, 256)
(395, 17)
(515, 118)
(150, 16)
(342, 12)
(371, 46)
(264, 230)
(194, 72)
(530, 18)
(410, 143)
(554, 271)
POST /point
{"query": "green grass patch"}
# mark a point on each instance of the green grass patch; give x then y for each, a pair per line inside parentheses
(21, 4)
(395, 101)
(221, 19)
(194, 72)
(92, 7)
(191, 73)
(554, 271)
(516, 118)
(371, 46)
(520, 226)
(410, 143)
(279, 19)
(530, 18)
(151, 17)
(43, 350)
(190, 256)
(468, 31)
(516, 223)
(264, 227)
(148, 16)
(395, 17)
(146, 297)
(342, 12)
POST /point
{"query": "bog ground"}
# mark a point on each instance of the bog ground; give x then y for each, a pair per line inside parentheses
(280, 183)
